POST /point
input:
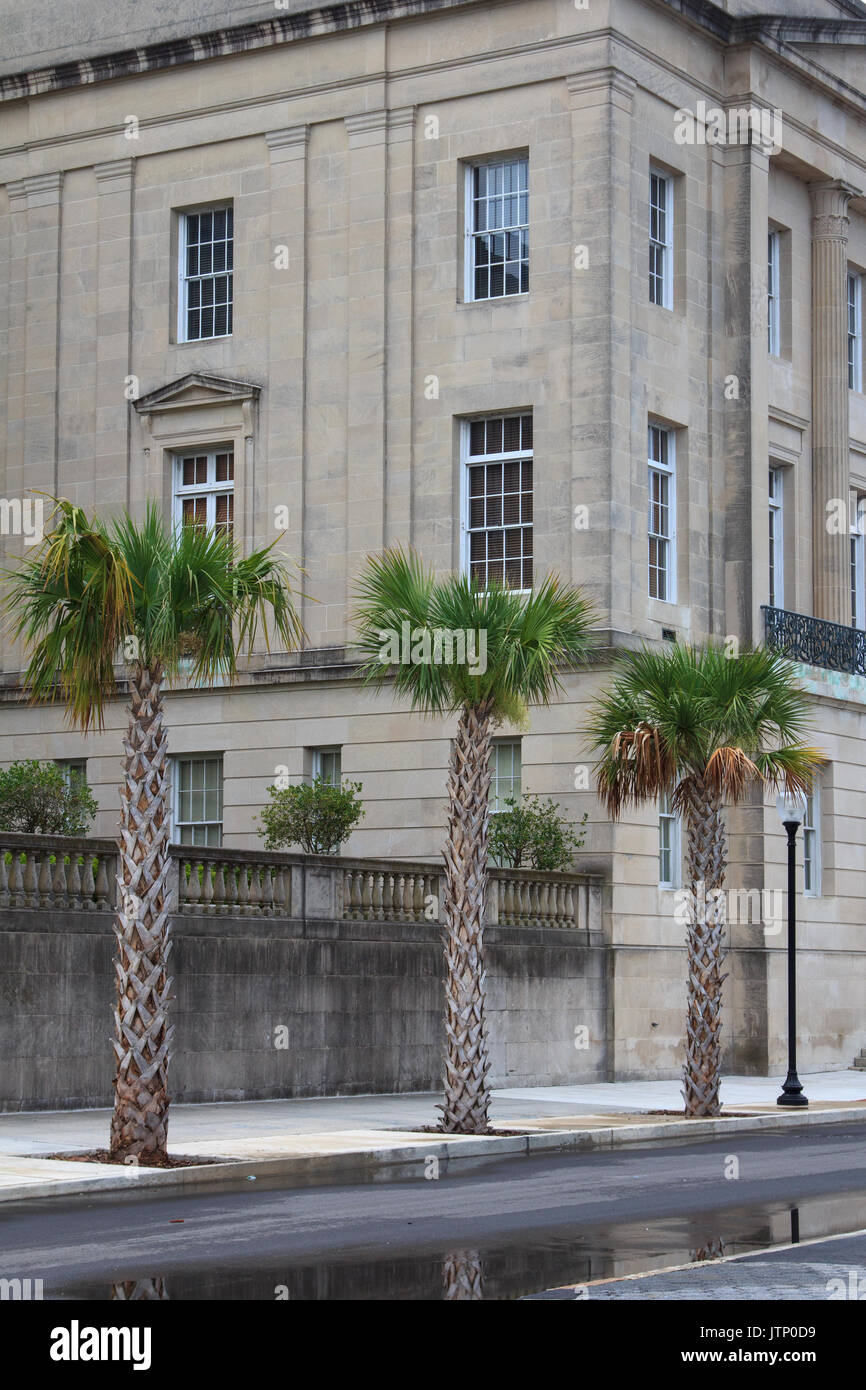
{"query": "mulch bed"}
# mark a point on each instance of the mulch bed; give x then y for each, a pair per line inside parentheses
(725, 1115)
(489, 1134)
(103, 1156)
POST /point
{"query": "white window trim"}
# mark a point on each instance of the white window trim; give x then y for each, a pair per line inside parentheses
(467, 460)
(182, 280)
(469, 231)
(774, 320)
(671, 469)
(668, 243)
(855, 278)
(777, 512)
(858, 542)
(505, 743)
(175, 759)
(316, 762)
(676, 849)
(208, 490)
(815, 831)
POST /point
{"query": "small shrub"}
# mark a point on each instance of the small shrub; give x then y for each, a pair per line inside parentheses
(532, 834)
(36, 799)
(316, 816)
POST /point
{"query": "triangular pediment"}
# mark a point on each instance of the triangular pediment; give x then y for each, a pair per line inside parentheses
(196, 388)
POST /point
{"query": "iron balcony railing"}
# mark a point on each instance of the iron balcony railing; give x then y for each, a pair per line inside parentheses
(815, 641)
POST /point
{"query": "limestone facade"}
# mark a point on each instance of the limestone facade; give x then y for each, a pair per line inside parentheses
(358, 354)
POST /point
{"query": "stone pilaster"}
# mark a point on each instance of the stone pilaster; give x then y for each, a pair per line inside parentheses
(602, 111)
(830, 463)
(114, 386)
(365, 414)
(746, 433)
(35, 204)
(283, 485)
(397, 502)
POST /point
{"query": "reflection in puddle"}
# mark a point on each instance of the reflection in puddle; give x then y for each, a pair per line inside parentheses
(462, 1275)
(521, 1265)
(135, 1290)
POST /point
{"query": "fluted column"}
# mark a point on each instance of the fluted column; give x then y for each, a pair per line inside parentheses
(830, 459)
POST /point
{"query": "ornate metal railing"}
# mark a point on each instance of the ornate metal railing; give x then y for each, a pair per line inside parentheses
(815, 641)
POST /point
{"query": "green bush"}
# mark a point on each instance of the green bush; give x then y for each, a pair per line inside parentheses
(36, 799)
(316, 816)
(532, 834)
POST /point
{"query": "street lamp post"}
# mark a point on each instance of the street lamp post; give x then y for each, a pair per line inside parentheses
(791, 807)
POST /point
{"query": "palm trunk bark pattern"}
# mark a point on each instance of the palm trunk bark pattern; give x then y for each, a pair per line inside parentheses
(143, 1035)
(706, 926)
(467, 1061)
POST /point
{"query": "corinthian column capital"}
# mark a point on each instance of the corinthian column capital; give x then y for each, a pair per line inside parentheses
(830, 199)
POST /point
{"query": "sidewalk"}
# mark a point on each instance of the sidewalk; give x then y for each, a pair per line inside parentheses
(335, 1138)
(831, 1267)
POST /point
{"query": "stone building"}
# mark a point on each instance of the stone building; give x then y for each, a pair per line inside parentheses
(337, 274)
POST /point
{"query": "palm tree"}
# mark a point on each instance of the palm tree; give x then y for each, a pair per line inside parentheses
(159, 599)
(451, 648)
(702, 727)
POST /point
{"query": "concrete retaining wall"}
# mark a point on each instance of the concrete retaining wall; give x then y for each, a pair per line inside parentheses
(360, 1003)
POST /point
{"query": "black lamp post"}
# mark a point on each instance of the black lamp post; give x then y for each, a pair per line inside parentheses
(792, 809)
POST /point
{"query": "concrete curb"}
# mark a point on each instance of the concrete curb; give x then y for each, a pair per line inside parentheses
(315, 1169)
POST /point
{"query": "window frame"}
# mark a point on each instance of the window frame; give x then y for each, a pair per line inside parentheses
(812, 839)
(497, 745)
(674, 848)
(667, 469)
(774, 298)
(176, 824)
(183, 280)
(665, 246)
(776, 546)
(209, 490)
(471, 234)
(854, 310)
(69, 765)
(858, 563)
(469, 461)
(317, 756)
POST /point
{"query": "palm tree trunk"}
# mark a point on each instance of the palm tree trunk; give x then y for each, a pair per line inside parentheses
(143, 1035)
(706, 858)
(462, 1276)
(467, 1093)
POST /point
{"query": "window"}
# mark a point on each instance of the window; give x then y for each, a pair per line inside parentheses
(72, 768)
(198, 800)
(855, 332)
(777, 557)
(327, 764)
(661, 278)
(206, 263)
(662, 512)
(204, 490)
(505, 767)
(670, 855)
(773, 303)
(497, 233)
(812, 844)
(858, 562)
(498, 521)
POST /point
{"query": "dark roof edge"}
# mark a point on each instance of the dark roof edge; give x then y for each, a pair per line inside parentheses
(356, 14)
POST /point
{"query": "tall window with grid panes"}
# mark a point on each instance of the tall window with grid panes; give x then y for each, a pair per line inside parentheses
(206, 279)
(497, 229)
(204, 490)
(497, 466)
(662, 513)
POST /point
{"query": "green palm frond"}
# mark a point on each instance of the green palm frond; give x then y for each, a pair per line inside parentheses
(730, 721)
(513, 645)
(92, 595)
